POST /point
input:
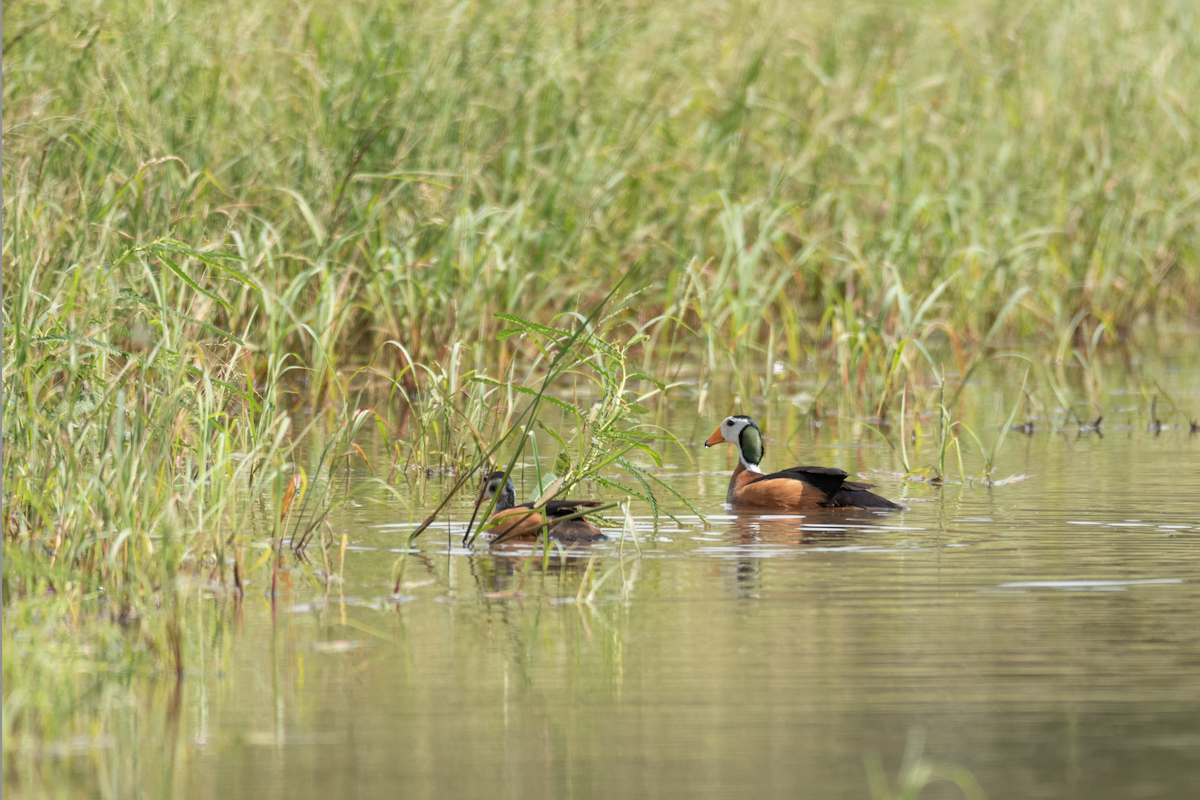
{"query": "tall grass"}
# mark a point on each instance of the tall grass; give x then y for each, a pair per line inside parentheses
(403, 172)
(132, 477)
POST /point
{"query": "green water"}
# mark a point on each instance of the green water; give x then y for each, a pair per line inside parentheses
(1043, 634)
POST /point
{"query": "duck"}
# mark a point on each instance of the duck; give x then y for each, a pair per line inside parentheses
(793, 489)
(512, 521)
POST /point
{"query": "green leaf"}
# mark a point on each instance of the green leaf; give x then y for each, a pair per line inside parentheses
(183, 276)
(214, 260)
(551, 484)
(151, 304)
(562, 462)
(620, 487)
(525, 325)
(207, 256)
(639, 471)
(524, 390)
(557, 335)
(242, 393)
(654, 456)
(318, 230)
(641, 376)
(88, 340)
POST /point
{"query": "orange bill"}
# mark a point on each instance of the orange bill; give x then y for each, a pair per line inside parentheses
(716, 438)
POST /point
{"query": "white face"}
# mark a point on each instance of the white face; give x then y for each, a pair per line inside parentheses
(731, 429)
(493, 486)
(741, 431)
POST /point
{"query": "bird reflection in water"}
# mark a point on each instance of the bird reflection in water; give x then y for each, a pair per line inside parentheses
(768, 533)
(504, 570)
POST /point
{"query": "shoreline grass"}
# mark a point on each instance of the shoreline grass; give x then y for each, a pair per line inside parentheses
(405, 173)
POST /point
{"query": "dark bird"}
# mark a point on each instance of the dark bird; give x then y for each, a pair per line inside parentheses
(511, 521)
(794, 489)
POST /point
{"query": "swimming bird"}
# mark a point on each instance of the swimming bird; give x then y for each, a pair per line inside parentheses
(511, 521)
(794, 489)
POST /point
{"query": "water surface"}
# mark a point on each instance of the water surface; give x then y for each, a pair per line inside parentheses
(1042, 633)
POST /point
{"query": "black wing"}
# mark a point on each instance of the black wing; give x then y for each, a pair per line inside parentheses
(855, 495)
(564, 508)
(828, 479)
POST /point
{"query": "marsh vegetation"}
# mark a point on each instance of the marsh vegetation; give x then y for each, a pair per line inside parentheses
(265, 264)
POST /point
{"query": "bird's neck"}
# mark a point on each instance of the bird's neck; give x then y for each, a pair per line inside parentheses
(505, 500)
(748, 466)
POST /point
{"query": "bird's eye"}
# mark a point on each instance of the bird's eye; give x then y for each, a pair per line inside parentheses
(729, 423)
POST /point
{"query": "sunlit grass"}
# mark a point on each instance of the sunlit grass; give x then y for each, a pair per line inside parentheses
(806, 174)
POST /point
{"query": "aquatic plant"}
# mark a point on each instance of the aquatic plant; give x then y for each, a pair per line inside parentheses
(918, 772)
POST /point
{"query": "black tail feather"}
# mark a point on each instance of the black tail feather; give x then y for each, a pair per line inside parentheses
(861, 498)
